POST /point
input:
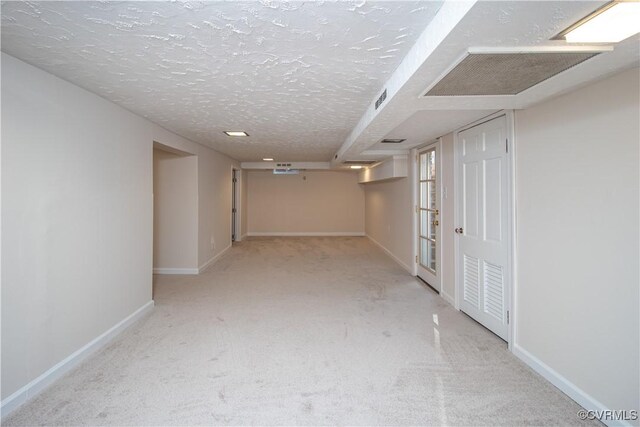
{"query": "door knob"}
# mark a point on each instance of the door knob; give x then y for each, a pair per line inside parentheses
(458, 230)
(435, 223)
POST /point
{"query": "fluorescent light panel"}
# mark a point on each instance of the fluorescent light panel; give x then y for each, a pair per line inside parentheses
(236, 133)
(356, 167)
(610, 24)
(268, 159)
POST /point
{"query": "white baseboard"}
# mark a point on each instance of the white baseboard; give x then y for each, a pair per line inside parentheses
(305, 233)
(206, 265)
(175, 271)
(448, 298)
(388, 252)
(34, 387)
(564, 385)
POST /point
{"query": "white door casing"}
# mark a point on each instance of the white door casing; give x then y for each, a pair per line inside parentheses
(482, 204)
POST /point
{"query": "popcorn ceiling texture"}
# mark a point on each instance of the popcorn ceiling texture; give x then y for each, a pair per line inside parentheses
(296, 76)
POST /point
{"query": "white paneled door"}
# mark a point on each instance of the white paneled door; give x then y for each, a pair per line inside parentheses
(483, 226)
(428, 210)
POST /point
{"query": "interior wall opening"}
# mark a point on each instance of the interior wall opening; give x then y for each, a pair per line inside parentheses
(175, 211)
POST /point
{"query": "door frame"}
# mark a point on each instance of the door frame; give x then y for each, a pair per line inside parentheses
(511, 220)
(238, 202)
(415, 188)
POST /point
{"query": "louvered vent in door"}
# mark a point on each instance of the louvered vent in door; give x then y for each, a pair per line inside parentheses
(471, 275)
(493, 290)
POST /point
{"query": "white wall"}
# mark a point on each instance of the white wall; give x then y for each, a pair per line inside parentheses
(311, 202)
(389, 217)
(577, 247)
(175, 210)
(77, 217)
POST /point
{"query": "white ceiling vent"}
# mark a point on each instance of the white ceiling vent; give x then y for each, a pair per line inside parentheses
(506, 72)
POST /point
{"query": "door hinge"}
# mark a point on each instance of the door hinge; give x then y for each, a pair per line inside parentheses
(416, 259)
(507, 317)
(233, 210)
(506, 145)
(235, 179)
(417, 210)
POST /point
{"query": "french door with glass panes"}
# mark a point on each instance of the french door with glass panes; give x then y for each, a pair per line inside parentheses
(428, 209)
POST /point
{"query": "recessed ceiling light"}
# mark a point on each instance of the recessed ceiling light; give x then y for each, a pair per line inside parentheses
(611, 23)
(355, 167)
(236, 133)
(268, 159)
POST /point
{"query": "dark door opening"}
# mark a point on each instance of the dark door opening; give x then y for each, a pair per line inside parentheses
(234, 181)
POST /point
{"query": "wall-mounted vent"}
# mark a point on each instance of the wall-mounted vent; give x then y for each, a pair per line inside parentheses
(392, 141)
(359, 162)
(381, 99)
(506, 73)
(286, 171)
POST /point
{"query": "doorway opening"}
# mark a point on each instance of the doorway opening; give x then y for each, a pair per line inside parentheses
(175, 211)
(234, 201)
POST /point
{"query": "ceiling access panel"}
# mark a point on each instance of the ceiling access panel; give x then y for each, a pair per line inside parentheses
(505, 73)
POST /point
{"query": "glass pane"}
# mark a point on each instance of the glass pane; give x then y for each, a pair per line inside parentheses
(431, 229)
(431, 164)
(423, 166)
(424, 259)
(428, 254)
(431, 255)
(423, 195)
(424, 220)
(431, 195)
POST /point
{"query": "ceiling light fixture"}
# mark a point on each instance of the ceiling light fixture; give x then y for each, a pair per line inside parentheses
(268, 159)
(612, 23)
(236, 133)
(355, 167)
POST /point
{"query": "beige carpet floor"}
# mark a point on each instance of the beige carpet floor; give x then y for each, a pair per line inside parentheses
(301, 331)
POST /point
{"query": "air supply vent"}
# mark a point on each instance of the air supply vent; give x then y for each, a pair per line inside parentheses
(381, 99)
(506, 73)
(359, 162)
(392, 141)
(286, 171)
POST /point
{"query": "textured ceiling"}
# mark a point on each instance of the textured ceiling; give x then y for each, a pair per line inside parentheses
(296, 76)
